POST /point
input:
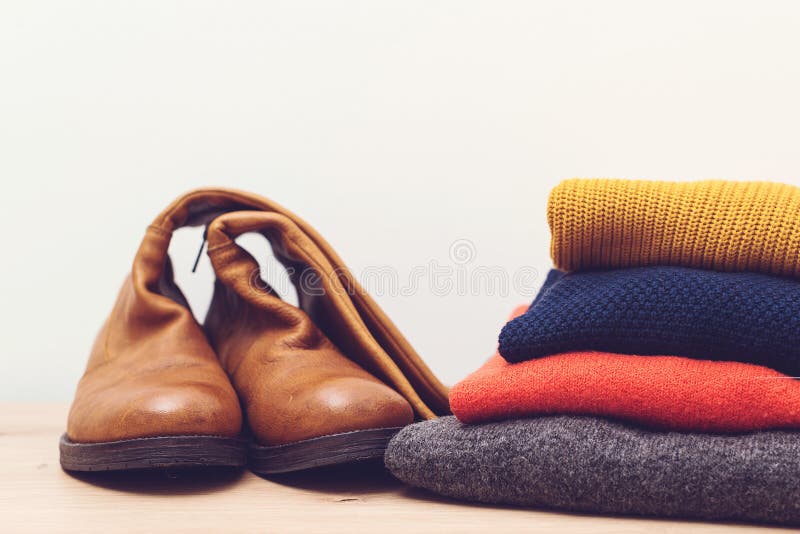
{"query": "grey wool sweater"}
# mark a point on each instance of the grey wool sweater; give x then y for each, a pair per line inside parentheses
(588, 464)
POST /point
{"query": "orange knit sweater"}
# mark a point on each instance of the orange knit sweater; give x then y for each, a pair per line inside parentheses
(663, 392)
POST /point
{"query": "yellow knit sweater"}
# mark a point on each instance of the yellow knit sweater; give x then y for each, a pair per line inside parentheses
(719, 225)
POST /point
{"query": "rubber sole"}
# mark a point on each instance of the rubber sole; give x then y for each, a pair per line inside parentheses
(153, 453)
(356, 446)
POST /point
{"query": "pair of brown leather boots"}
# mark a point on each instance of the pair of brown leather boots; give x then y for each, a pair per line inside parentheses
(262, 382)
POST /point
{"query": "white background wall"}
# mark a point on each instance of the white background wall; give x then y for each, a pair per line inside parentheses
(397, 128)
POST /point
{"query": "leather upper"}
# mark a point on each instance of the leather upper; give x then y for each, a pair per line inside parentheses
(293, 382)
(152, 371)
(351, 319)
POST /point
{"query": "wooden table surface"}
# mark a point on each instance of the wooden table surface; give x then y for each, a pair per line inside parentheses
(36, 495)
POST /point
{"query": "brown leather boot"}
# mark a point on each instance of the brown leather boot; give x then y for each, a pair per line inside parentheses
(154, 393)
(307, 404)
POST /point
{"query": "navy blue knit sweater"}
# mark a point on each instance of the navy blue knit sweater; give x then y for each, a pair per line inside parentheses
(745, 317)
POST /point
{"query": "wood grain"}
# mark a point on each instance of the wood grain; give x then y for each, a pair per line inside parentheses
(36, 495)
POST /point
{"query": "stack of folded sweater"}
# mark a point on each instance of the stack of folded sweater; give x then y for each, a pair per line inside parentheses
(653, 374)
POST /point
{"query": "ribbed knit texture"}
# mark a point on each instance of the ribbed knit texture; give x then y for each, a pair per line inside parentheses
(588, 464)
(720, 225)
(745, 317)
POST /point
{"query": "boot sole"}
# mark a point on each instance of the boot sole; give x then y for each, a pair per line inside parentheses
(153, 453)
(335, 449)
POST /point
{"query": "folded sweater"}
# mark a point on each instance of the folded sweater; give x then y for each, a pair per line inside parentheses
(744, 317)
(660, 392)
(589, 464)
(725, 226)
